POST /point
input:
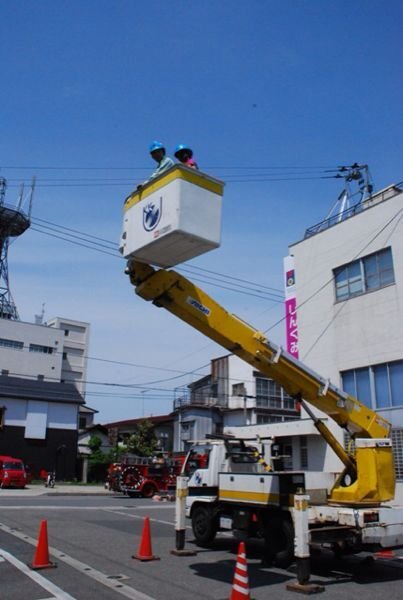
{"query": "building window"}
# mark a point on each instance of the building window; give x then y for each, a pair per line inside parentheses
(40, 348)
(219, 428)
(2, 416)
(187, 430)
(82, 423)
(264, 419)
(14, 344)
(364, 275)
(303, 452)
(64, 355)
(270, 394)
(238, 389)
(66, 332)
(377, 386)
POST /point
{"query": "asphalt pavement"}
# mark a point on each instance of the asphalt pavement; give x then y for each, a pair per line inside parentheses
(93, 537)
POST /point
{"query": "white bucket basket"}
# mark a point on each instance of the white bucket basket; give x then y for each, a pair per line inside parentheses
(174, 218)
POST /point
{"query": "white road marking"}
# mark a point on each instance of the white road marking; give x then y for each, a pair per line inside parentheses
(84, 569)
(58, 594)
(125, 514)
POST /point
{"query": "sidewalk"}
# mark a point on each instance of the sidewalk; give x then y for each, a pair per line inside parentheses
(60, 489)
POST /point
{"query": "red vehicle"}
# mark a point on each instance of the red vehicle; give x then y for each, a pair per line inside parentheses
(146, 476)
(12, 472)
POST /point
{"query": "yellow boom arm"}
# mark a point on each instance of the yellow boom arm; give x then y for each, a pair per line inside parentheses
(371, 472)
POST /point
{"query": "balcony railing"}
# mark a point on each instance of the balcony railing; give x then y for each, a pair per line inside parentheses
(376, 198)
(200, 400)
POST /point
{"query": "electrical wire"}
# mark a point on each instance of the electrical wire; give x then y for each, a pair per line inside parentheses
(231, 173)
(81, 240)
(279, 292)
(247, 179)
(84, 233)
(132, 168)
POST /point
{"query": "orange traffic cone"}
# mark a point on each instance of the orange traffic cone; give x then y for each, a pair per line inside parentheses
(145, 550)
(240, 585)
(41, 558)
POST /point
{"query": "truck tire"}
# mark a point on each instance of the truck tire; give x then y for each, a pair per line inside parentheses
(148, 490)
(204, 525)
(279, 542)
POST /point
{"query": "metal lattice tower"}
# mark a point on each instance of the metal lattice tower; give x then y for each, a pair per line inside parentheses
(354, 176)
(13, 222)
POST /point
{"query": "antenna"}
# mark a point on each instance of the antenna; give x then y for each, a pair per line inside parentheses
(13, 223)
(39, 318)
(357, 182)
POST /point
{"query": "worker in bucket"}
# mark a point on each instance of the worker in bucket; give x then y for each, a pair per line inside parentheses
(157, 152)
(185, 155)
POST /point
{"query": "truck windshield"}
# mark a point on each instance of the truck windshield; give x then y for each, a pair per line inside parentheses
(197, 458)
(15, 466)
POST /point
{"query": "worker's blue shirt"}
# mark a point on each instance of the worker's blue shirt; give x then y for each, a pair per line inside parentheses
(164, 165)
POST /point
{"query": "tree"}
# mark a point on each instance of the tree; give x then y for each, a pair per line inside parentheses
(96, 456)
(142, 441)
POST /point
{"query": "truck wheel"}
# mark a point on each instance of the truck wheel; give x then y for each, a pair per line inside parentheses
(148, 490)
(204, 525)
(279, 542)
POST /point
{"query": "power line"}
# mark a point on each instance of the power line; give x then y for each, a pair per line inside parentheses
(237, 279)
(76, 243)
(113, 246)
(246, 179)
(89, 235)
(69, 235)
(67, 394)
(133, 168)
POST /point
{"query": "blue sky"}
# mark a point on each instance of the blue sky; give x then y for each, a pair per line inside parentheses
(262, 90)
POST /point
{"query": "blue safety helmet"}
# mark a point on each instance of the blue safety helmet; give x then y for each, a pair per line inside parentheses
(181, 147)
(155, 145)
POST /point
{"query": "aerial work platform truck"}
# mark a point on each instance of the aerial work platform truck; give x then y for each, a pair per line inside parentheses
(238, 487)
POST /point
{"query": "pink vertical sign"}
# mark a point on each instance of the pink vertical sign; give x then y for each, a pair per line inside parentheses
(291, 333)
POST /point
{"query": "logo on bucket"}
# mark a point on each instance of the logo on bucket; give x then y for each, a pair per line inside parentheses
(152, 214)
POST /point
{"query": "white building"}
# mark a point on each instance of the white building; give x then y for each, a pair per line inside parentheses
(349, 290)
(42, 386)
(75, 346)
(56, 351)
(234, 394)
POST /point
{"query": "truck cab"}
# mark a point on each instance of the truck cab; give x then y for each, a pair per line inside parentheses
(12, 472)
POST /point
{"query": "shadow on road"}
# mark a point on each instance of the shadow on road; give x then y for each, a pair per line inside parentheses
(325, 568)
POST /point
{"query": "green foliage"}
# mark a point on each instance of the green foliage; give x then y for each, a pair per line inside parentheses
(142, 441)
(94, 443)
(97, 457)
